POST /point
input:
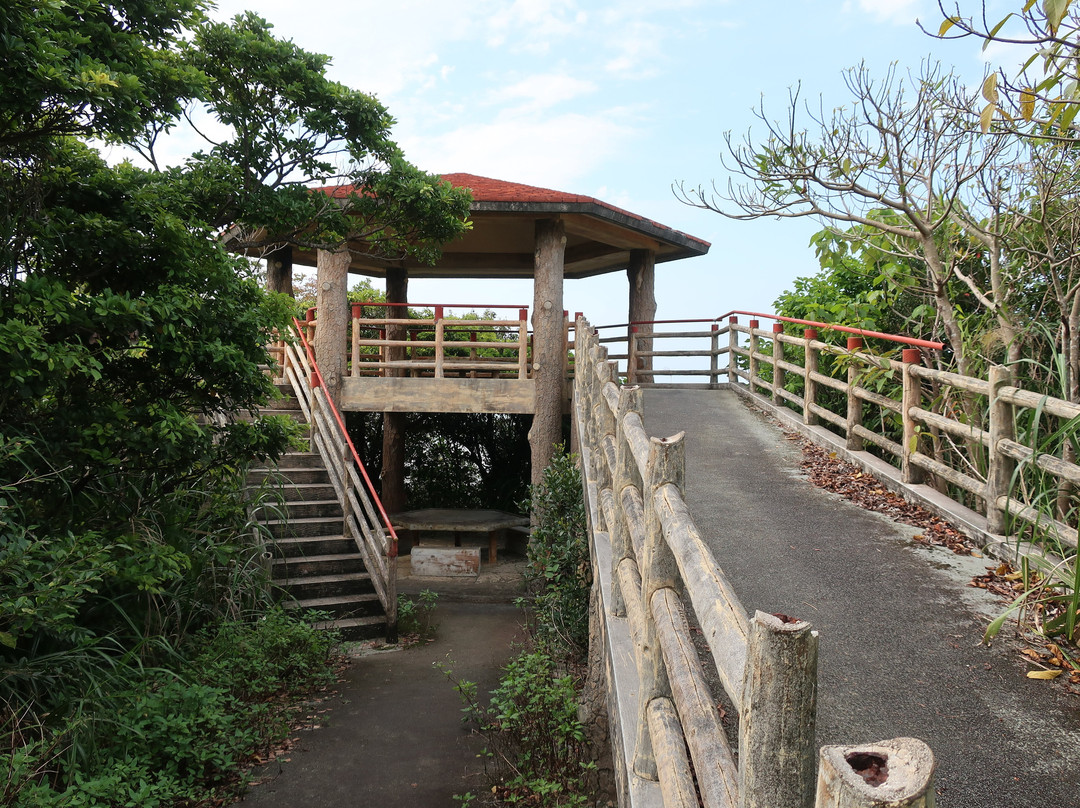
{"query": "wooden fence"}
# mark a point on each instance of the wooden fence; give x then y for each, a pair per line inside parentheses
(956, 433)
(668, 743)
(365, 521)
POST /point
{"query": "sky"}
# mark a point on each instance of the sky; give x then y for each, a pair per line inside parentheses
(617, 100)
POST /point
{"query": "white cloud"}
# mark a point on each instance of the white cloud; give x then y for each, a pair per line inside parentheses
(554, 152)
(541, 91)
(893, 11)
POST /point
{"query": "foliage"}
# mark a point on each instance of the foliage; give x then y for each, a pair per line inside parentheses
(415, 616)
(534, 738)
(559, 571)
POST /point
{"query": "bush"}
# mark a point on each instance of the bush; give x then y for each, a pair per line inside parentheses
(559, 570)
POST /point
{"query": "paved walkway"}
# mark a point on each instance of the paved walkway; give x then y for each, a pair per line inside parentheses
(900, 650)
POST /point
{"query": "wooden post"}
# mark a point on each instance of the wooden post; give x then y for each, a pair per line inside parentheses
(279, 270)
(440, 342)
(912, 397)
(625, 474)
(331, 344)
(854, 403)
(548, 341)
(354, 323)
(632, 357)
(394, 423)
(897, 773)
(777, 371)
(666, 466)
(641, 273)
(714, 357)
(778, 719)
(1000, 474)
(810, 366)
(523, 343)
(732, 357)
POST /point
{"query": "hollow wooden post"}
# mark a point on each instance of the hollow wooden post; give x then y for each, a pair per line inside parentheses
(625, 474)
(912, 397)
(1000, 474)
(732, 357)
(778, 719)
(897, 773)
(810, 367)
(777, 371)
(666, 466)
(854, 403)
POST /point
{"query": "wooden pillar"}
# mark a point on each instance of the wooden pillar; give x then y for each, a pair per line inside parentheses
(641, 272)
(279, 266)
(999, 478)
(911, 397)
(393, 449)
(549, 356)
(854, 403)
(331, 335)
(810, 367)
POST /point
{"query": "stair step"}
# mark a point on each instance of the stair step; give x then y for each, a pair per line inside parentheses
(287, 475)
(363, 605)
(299, 460)
(306, 526)
(307, 546)
(326, 586)
(303, 566)
(357, 628)
(302, 492)
(324, 508)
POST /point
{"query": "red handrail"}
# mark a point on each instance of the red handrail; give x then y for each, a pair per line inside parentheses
(317, 381)
(862, 332)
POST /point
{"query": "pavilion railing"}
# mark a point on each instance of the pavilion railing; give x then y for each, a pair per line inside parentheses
(668, 744)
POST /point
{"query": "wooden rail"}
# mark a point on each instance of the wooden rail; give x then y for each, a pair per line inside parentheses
(365, 522)
(647, 550)
(953, 432)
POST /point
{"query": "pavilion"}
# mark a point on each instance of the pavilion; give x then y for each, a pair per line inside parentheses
(519, 231)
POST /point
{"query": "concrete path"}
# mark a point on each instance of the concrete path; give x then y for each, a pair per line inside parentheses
(900, 651)
(393, 737)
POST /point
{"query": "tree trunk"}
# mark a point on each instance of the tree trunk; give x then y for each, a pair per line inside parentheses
(279, 267)
(331, 333)
(549, 354)
(641, 274)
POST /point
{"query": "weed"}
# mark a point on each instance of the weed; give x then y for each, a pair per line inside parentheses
(415, 616)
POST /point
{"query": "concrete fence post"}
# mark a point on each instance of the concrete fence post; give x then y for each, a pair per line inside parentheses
(714, 356)
(778, 719)
(732, 357)
(854, 403)
(625, 474)
(897, 773)
(1000, 473)
(912, 397)
(754, 347)
(777, 371)
(810, 367)
(666, 466)
(631, 356)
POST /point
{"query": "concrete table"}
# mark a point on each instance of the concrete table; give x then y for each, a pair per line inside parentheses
(458, 521)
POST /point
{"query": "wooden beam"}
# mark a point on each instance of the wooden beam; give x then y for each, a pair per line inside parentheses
(331, 344)
(609, 233)
(549, 346)
(392, 395)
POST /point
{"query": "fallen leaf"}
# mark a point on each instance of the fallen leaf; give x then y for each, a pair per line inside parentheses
(1043, 674)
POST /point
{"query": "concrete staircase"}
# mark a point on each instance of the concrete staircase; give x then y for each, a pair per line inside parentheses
(313, 565)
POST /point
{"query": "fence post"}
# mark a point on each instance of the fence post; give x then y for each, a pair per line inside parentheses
(631, 356)
(523, 343)
(810, 367)
(912, 397)
(898, 773)
(779, 715)
(854, 403)
(714, 356)
(440, 337)
(667, 465)
(777, 371)
(354, 364)
(625, 475)
(732, 357)
(1002, 426)
(605, 421)
(755, 348)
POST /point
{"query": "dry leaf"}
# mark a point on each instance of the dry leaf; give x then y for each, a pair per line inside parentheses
(1043, 674)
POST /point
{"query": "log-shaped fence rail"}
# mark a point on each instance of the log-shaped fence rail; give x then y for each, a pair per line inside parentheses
(365, 522)
(954, 432)
(647, 549)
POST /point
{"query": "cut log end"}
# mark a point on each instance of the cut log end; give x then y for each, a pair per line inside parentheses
(897, 773)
